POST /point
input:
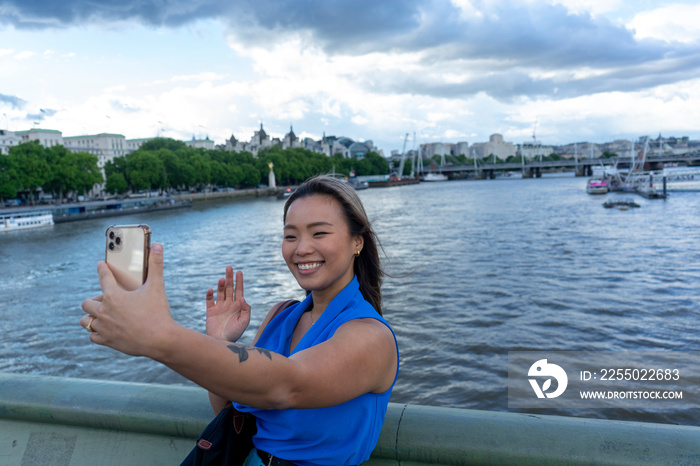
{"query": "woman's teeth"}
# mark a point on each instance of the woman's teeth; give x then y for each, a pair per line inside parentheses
(309, 266)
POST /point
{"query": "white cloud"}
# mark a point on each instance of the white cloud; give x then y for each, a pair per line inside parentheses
(669, 23)
(24, 55)
(453, 135)
(206, 76)
(594, 7)
(331, 107)
(595, 117)
(467, 9)
(360, 120)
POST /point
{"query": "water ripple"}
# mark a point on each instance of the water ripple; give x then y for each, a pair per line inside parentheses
(493, 266)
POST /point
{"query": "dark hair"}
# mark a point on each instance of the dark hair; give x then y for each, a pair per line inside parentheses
(367, 267)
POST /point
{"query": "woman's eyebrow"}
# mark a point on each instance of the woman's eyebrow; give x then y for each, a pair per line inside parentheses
(319, 224)
(310, 225)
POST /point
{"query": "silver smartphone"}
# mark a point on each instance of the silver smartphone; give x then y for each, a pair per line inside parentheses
(126, 252)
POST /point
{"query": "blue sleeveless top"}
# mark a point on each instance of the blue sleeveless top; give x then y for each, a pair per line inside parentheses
(344, 434)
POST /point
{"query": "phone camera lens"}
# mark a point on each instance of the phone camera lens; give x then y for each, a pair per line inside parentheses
(111, 235)
(118, 241)
(111, 246)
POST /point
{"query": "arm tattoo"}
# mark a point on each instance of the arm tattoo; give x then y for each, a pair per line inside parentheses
(240, 351)
(243, 352)
(264, 352)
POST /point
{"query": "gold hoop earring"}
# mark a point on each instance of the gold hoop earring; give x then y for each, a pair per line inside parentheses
(357, 254)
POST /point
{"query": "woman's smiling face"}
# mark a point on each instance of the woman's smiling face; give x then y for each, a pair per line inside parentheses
(317, 245)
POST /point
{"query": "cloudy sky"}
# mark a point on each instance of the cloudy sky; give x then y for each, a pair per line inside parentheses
(444, 70)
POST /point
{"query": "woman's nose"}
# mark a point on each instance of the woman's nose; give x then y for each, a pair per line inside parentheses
(304, 247)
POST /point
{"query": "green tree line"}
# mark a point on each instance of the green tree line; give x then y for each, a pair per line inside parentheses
(168, 165)
(30, 167)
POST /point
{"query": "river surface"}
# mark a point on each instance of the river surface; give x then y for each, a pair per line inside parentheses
(497, 265)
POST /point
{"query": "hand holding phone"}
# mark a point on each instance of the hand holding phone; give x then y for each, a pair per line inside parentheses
(126, 252)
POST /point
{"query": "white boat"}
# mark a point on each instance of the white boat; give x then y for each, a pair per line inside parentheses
(285, 194)
(358, 184)
(434, 177)
(355, 183)
(597, 186)
(25, 220)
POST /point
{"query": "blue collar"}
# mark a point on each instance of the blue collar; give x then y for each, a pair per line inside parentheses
(337, 305)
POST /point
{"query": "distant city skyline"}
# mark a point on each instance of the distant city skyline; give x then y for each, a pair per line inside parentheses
(386, 153)
(332, 144)
(446, 70)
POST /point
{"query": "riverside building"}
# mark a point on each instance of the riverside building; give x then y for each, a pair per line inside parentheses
(495, 147)
(8, 139)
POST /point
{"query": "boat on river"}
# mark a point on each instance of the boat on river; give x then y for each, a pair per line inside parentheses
(597, 186)
(358, 184)
(622, 204)
(115, 207)
(285, 194)
(393, 180)
(23, 220)
(434, 177)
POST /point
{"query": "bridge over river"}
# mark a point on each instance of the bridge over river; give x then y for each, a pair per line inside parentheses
(582, 167)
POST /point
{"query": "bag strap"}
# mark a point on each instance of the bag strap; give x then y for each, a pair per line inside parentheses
(282, 305)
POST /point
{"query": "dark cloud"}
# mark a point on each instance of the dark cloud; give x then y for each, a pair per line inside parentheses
(39, 14)
(332, 20)
(338, 26)
(12, 101)
(43, 113)
(520, 33)
(506, 84)
(504, 47)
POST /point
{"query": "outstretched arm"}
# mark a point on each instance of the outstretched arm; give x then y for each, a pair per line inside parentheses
(361, 357)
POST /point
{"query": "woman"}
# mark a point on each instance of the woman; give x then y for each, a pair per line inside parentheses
(319, 374)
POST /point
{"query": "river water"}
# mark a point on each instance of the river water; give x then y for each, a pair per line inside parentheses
(497, 265)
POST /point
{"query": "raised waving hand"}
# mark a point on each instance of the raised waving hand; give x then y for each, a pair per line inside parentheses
(228, 314)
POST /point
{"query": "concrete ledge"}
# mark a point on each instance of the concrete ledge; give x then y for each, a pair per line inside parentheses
(60, 421)
(221, 195)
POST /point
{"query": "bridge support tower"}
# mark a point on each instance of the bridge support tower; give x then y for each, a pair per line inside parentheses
(532, 172)
(584, 170)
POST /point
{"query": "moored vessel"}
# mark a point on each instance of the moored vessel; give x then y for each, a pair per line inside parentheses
(392, 180)
(434, 177)
(358, 184)
(23, 220)
(597, 186)
(285, 194)
(623, 204)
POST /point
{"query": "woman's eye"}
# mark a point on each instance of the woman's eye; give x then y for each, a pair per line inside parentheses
(319, 233)
(289, 237)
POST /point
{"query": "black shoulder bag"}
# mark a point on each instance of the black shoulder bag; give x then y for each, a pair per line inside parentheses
(228, 439)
